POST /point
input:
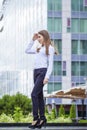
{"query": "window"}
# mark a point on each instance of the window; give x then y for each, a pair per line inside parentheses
(83, 68)
(54, 25)
(79, 47)
(79, 5)
(83, 25)
(57, 68)
(79, 68)
(54, 5)
(58, 45)
(75, 24)
(83, 46)
(79, 25)
(75, 47)
(75, 5)
(54, 87)
(76, 68)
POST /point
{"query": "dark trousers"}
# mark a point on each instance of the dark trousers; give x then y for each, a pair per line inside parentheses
(37, 94)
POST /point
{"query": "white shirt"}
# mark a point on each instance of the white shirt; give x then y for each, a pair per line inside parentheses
(41, 59)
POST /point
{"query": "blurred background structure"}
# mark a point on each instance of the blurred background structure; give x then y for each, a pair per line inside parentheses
(66, 22)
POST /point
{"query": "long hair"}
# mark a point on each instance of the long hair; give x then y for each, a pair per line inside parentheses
(47, 40)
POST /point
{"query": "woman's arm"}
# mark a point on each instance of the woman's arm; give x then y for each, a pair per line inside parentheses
(30, 49)
(50, 64)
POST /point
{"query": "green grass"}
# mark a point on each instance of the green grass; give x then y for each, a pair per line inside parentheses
(82, 121)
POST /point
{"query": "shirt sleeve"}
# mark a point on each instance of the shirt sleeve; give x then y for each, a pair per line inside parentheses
(50, 62)
(30, 49)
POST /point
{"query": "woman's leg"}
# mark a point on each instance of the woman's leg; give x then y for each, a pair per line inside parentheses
(41, 106)
(38, 88)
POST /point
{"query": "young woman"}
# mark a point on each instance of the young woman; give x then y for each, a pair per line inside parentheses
(42, 70)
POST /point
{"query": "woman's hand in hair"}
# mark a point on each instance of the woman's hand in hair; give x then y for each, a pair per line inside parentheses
(35, 36)
(45, 81)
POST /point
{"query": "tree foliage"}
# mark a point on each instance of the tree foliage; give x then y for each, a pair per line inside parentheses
(8, 104)
(61, 111)
(53, 114)
(73, 111)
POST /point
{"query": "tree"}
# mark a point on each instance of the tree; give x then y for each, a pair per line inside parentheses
(23, 102)
(53, 114)
(8, 104)
(73, 111)
(61, 111)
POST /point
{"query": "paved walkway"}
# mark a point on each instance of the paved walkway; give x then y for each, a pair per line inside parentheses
(47, 128)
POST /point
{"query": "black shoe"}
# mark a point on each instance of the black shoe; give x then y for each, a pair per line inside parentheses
(42, 123)
(34, 124)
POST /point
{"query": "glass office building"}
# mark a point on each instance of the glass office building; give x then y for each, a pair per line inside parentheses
(19, 19)
(66, 22)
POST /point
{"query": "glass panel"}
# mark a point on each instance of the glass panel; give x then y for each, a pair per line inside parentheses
(16, 67)
(50, 25)
(57, 70)
(83, 68)
(75, 5)
(50, 5)
(74, 47)
(79, 47)
(58, 5)
(81, 5)
(75, 68)
(79, 68)
(54, 5)
(58, 45)
(54, 87)
(83, 25)
(75, 25)
(85, 8)
(83, 46)
(54, 25)
(57, 25)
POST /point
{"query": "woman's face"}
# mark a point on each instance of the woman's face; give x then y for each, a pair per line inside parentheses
(40, 39)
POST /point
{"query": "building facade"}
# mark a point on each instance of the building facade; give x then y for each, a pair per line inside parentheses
(67, 26)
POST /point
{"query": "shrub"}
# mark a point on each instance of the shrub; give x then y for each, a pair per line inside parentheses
(8, 104)
(61, 111)
(18, 114)
(82, 121)
(6, 119)
(73, 111)
(27, 119)
(53, 114)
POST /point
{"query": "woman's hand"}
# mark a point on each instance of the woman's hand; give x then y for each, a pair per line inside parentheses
(45, 81)
(35, 36)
